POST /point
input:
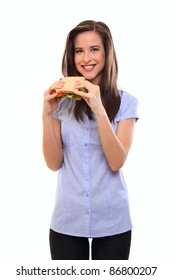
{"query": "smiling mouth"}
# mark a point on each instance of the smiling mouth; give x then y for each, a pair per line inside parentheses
(88, 67)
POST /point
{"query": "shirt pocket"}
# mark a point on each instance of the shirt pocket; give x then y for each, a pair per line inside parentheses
(73, 133)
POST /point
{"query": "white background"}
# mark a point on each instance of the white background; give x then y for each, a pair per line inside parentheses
(33, 36)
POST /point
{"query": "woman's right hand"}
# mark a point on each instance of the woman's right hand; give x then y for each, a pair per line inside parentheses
(50, 101)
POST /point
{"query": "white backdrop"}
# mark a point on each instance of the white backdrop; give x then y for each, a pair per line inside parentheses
(32, 41)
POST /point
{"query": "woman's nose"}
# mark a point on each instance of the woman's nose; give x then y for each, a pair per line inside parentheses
(87, 57)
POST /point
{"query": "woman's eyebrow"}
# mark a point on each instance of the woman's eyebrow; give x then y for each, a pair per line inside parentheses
(94, 46)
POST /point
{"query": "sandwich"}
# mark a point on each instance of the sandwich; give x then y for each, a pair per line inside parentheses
(67, 91)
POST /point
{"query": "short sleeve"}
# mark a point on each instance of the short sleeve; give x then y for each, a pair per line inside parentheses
(62, 109)
(128, 107)
(55, 114)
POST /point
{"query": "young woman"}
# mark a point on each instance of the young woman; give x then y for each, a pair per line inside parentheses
(88, 142)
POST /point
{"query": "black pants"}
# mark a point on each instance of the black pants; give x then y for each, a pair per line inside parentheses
(66, 247)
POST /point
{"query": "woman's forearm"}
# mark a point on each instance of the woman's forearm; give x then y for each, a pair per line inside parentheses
(112, 147)
(52, 144)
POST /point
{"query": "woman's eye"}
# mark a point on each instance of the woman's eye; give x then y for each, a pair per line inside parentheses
(94, 49)
(78, 51)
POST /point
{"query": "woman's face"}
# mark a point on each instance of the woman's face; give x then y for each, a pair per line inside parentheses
(89, 55)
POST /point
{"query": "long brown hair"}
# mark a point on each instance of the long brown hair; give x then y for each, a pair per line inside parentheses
(108, 85)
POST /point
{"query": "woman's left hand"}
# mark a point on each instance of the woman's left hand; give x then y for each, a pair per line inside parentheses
(92, 96)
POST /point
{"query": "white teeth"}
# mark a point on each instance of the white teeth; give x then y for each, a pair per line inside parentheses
(88, 67)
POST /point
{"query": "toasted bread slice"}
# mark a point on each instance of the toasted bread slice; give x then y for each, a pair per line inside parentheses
(68, 88)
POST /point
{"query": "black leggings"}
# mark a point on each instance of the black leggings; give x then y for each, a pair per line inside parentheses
(66, 247)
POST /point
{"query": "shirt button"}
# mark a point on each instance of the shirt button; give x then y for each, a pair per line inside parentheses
(86, 144)
(86, 160)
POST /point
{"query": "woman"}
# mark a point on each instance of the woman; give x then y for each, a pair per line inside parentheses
(88, 142)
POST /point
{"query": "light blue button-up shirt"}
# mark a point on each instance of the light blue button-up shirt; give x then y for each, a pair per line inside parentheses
(91, 200)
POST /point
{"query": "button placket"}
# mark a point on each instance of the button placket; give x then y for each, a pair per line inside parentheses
(86, 162)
